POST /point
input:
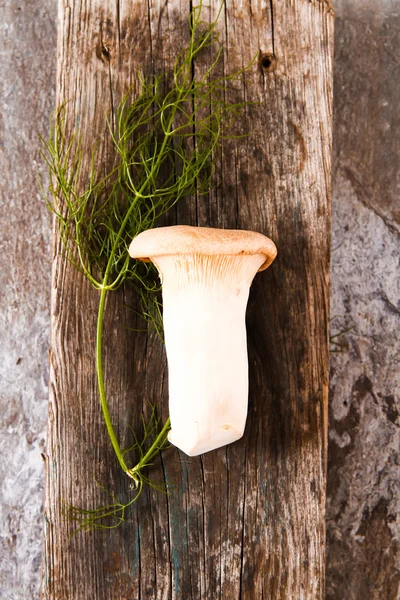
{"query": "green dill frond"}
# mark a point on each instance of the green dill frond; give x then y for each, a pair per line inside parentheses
(163, 140)
(108, 516)
(338, 345)
(111, 515)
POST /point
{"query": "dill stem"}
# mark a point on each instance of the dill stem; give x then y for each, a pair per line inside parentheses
(100, 376)
(158, 442)
(100, 321)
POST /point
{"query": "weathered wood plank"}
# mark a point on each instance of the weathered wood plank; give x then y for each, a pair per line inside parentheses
(245, 521)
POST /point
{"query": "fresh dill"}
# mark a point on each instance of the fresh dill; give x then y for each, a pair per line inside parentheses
(164, 141)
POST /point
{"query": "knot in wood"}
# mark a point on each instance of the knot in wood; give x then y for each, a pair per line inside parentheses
(266, 62)
(103, 51)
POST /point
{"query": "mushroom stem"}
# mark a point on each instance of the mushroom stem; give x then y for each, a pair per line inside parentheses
(205, 299)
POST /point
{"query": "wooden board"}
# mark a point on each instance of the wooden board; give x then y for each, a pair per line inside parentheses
(248, 520)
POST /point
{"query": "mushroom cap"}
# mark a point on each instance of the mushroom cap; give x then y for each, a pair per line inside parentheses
(184, 239)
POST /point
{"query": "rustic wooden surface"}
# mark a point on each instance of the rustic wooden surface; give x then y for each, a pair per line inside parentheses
(363, 530)
(246, 521)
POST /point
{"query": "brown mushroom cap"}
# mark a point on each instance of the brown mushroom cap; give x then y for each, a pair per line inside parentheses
(183, 239)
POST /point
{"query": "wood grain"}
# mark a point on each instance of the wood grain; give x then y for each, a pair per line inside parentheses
(248, 520)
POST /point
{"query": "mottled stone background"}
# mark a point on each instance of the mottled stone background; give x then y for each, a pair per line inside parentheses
(364, 438)
(27, 90)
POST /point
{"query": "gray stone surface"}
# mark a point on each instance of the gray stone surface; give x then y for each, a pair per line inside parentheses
(364, 435)
(364, 462)
(27, 82)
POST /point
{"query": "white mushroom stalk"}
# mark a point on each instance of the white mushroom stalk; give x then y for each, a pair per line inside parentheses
(206, 276)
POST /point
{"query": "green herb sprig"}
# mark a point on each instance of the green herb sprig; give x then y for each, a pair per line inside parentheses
(164, 141)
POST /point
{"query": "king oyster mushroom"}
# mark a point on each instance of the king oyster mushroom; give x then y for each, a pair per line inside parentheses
(206, 275)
